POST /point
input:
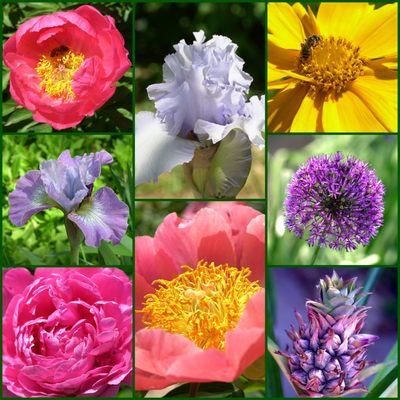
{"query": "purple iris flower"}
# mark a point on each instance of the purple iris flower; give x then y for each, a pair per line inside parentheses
(67, 184)
(337, 200)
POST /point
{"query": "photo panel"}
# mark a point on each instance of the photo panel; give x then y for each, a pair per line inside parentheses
(336, 334)
(67, 200)
(332, 200)
(200, 104)
(199, 299)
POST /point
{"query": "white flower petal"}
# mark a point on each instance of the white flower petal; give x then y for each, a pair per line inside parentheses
(252, 123)
(155, 150)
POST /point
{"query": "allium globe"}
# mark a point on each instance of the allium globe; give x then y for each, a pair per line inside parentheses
(65, 65)
(67, 332)
(200, 297)
(336, 200)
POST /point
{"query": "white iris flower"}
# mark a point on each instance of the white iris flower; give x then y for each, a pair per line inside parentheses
(202, 99)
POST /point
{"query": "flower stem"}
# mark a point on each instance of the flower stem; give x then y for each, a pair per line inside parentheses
(315, 255)
(193, 388)
(75, 239)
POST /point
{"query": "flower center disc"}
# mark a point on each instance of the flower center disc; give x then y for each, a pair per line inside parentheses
(331, 63)
(57, 70)
(201, 303)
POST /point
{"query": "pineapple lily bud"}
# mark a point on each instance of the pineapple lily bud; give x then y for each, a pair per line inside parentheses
(329, 352)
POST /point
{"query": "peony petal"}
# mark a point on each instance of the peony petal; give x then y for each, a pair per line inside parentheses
(103, 217)
(155, 150)
(28, 198)
(16, 280)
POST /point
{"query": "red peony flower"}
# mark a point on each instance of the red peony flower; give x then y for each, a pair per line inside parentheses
(67, 332)
(64, 66)
(200, 297)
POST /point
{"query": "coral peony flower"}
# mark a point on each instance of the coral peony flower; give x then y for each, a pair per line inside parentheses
(64, 66)
(67, 332)
(336, 71)
(202, 99)
(67, 184)
(338, 200)
(199, 297)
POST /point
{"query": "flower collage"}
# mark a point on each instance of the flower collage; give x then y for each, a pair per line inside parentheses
(200, 199)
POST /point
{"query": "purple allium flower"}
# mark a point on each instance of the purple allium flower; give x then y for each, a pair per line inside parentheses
(329, 351)
(337, 200)
(67, 184)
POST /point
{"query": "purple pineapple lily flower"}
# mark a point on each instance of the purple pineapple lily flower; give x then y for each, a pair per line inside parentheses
(67, 184)
(328, 352)
(337, 200)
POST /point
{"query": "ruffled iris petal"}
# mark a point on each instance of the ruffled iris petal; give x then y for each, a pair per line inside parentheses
(202, 81)
(89, 164)
(64, 184)
(155, 150)
(103, 217)
(28, 198)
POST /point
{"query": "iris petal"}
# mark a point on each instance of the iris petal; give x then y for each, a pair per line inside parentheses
(103, 217)
(28, 198)
(155, 150)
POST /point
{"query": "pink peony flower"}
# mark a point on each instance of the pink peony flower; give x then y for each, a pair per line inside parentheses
(64, 66)
(67, 332)
(200, 297)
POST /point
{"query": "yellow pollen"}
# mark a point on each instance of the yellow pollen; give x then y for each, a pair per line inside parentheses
(202, 303)
(332, 64)
(56, 71)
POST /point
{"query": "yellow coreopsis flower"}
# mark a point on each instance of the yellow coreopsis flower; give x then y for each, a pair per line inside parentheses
(336, 71)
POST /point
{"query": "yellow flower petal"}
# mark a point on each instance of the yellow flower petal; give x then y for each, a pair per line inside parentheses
(285, 25)
(282, 58)
(348, 114)
(308, 117)
(341, 19)
(380, 96)
(283, 107)
(307, 19)
(378, 36)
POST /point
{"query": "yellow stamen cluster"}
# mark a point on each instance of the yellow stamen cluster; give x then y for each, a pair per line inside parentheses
(202, 303)
(56, 71)
(332, 64)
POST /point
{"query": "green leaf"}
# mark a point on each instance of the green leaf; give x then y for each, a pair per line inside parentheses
(8, 107)
(127, 114)
(19, 115)
(106, 251)
(5, 80)
(384, 384)
(388, 362)
(391, 391)
(370, 283)
(32, 258)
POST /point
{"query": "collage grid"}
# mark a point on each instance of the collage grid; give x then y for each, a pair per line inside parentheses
(288, 261)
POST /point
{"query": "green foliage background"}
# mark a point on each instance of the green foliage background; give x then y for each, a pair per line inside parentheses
(380, 151)
(43, 241)
(161, 25)
(115, 115)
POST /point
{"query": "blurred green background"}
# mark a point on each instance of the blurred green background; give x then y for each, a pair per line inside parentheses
(43, 241)
(115, 115)
(160, 26)
(150, 214)
(287, 154)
